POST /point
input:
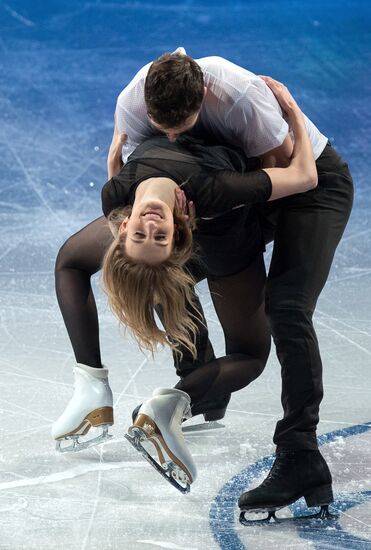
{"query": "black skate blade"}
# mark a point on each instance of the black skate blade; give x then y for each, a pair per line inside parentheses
(203, 426)
(323, 517)
(139, 447)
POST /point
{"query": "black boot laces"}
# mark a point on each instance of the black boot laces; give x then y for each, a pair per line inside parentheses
(281, 466)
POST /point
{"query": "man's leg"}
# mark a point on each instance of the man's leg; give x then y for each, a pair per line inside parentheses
(309, 228)
(308, 231)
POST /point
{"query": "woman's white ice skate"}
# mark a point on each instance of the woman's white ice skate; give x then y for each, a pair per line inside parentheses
(159, 424)
(91, 406)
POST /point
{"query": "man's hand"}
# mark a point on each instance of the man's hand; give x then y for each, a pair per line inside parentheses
(114, 160)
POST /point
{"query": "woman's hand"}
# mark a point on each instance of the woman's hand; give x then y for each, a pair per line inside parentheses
(187, 208)
(283, 96)
(301, 174)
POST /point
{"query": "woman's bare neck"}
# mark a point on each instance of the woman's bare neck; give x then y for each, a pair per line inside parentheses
(157, 188)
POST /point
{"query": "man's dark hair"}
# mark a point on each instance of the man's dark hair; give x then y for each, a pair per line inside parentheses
(174, 89)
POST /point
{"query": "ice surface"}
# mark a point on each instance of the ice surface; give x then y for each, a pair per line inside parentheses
(62, 64)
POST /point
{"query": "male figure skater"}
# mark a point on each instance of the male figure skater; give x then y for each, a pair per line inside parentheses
(214, 98)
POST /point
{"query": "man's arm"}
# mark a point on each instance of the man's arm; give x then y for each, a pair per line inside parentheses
(280, 156)
(114, 159)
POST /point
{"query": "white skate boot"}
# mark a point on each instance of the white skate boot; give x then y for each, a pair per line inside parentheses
(91, 405)
(159, 422)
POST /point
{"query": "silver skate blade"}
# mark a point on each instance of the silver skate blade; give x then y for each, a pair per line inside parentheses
(271, 518)
(134, 441)
(323, 517)
(78, 445)
(213, 425)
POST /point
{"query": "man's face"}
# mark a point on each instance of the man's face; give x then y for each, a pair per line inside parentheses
(173, 133)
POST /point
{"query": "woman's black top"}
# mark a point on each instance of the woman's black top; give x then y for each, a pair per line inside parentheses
(223, 184)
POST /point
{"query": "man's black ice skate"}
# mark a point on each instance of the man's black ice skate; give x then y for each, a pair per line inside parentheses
(212, 410)
(294, 474)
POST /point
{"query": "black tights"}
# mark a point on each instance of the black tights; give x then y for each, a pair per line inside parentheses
(238, 301)
(239, 304)
(79, 258)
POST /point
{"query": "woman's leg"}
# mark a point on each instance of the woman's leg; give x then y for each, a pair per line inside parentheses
(239, 303)
(91, 403)
(79, 258)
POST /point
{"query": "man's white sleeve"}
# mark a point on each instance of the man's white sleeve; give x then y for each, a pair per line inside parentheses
(124, 124)
(256, 120)
(131, 113)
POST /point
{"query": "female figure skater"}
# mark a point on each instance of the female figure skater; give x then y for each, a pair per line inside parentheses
(235, 269)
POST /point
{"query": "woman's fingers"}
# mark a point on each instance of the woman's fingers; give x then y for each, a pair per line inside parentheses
(283, 96)
(272, 83)
(187, 208)
(181, 200)
(192, 211)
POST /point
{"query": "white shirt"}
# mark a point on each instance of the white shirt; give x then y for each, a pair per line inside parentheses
(239, 109)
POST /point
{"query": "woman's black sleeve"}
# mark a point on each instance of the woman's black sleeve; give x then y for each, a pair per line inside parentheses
(224, 190)
(114, 195)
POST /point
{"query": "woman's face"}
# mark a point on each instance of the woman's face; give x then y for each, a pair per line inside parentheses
(149, 232)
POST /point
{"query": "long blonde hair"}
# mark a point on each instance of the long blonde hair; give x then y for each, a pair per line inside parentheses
(134, 289)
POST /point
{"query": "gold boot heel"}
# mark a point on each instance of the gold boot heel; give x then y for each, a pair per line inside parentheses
(99, 417)
(144, 428)
(103, 415)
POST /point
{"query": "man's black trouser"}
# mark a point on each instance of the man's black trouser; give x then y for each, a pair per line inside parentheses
(306, 229)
